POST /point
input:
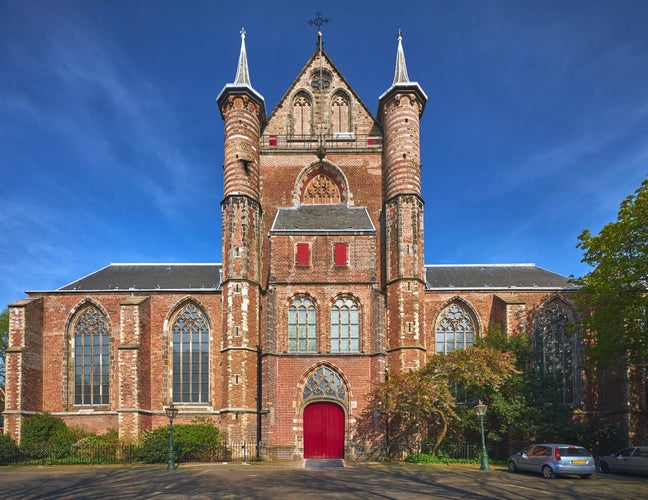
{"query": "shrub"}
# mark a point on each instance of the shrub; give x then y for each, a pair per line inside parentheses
(45, 431)
(8, 450)
(100, 448)
(200, 440)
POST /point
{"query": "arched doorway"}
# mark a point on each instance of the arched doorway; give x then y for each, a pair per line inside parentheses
(323, 431)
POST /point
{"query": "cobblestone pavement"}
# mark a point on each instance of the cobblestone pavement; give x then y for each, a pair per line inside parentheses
(294, 481)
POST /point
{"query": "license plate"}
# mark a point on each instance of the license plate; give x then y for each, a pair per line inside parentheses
(579, 462)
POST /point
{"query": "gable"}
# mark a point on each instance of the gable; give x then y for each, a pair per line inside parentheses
(320, 100)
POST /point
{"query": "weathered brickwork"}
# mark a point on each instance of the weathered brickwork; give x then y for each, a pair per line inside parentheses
(286, 329)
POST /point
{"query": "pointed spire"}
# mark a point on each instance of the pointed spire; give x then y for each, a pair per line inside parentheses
(400, 73)
(242, 72)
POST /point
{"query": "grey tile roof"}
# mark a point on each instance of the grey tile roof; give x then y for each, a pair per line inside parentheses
(490, 276)
(150, 277)
(322, 219)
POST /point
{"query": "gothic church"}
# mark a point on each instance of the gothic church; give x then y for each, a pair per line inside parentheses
(322, 291)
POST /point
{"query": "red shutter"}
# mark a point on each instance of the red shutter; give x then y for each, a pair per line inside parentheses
(303, 254)
(340, 256)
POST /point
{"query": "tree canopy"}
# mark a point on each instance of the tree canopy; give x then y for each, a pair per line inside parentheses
(614, 293)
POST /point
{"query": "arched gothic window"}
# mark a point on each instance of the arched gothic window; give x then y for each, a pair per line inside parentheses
(340, 113)
(302, 114)
(557, 348)
(324, 383)
(190, 332)
(301, 325)
(321, 190)
(455, 329)
(91, 358)
(345, 327)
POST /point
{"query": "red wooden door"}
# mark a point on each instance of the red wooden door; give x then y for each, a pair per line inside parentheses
(323, 431)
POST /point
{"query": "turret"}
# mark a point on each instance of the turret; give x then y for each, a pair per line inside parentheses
(243, 110)
(399, 110)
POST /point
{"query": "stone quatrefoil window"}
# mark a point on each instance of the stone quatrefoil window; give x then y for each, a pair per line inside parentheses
(455, 330)
(321, 190)
(302, 325)
(556, 348)
(324, 383)
(91, 358)
(190, 356)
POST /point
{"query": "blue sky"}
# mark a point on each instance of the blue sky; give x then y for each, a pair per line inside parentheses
(111, 143)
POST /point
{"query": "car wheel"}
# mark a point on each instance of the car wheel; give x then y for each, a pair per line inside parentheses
(585, 476)
(548, 472)
(604, 467)
(512, 467)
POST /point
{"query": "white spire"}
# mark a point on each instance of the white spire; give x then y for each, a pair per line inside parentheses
(242, 72)
(400, 73)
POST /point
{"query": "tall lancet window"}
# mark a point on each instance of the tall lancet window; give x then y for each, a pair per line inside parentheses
(301, 325)
(557, 348)
(190, 356)
(91, 358)
(345, 326)
(455, 329)
(341, 113)
(302, 114)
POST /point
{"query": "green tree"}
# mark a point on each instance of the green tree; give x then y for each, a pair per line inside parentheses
(614, 292)
(422, 404)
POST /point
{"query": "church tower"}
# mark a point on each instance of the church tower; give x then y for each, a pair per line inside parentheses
(399, 110)
(243, 111)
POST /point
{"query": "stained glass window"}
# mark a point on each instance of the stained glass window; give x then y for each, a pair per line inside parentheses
(455, 329)
(190, 356)
(324, 383)
(91, 358)
(345, 328)
(301, 325)
(557, 348)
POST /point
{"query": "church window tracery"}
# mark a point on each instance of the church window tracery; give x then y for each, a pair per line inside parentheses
(557, 348)
(345, 326)
(324, 383)
(91, 358)
(455, 329)
(190, 332)
(321, 190)
(302, 325)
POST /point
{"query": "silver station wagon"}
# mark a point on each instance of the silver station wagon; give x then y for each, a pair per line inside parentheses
(631, 460)
(553, 459)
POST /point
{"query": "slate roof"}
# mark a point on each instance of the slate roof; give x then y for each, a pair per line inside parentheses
(493, 276)
(322, 219)
(129, 277)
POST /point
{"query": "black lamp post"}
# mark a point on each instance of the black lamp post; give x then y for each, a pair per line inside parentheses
(480, 410)
(171, 412)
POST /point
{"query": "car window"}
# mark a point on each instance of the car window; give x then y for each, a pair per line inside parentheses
(642, 452)
(625, 452)
(528, 450)
(573, 451)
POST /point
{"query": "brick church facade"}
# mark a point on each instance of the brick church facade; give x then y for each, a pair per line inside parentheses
(322, 291)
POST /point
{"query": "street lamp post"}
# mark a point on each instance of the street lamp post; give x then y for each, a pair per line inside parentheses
(480, 410)
(171, 412)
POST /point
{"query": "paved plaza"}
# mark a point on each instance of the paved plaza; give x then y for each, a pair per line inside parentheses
(294, 481)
